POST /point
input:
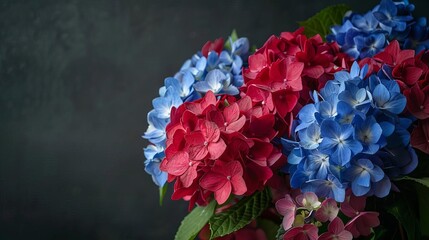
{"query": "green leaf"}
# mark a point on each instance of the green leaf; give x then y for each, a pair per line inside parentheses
(322, 22)
(234, 36)
(423, 197)
(423, 181)
(231, 39)
(402, 211)
(162, 191)
(269, 227)
(239, 215)
(378, 233)
(195, 221)
(280, 232)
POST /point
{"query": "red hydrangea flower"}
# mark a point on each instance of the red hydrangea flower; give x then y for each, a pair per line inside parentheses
(220, 146)
(336, 231)
(223, 179)
(420, 136)
(305, 232)
(362, 221)
(418, 101)
(285, 69)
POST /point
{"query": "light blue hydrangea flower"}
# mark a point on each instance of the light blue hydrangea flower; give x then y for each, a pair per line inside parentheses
(220, 73)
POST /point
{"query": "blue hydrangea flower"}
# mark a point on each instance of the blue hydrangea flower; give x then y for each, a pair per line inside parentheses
(217, 82)
(220, 73)
(154, 155)
(330, 187)
(338, 141)
(352, 136)
(364, 35)
(362, 173)
(163, 105)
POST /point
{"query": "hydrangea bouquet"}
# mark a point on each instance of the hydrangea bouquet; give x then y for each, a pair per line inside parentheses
(321, 133)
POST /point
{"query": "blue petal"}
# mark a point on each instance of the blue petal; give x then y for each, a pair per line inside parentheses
(342, 155)
(201, 64)
(230, 90)
(327, 145)
(240, 46)
(376, 174)
(382, 188)
(187, 64)
(346, 131)
(330, 129)
(212, 59)
(295, 157)
(396, 104)
(156, 122)
(225, 58)
(359, 190)
(355, 146)
(388, 128)
(158, 177)
(202, 86)
(381, 95)
(354, 71)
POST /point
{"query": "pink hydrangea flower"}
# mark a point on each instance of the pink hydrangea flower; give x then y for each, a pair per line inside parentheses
(328, 210)
(308, 200)
(286, 207)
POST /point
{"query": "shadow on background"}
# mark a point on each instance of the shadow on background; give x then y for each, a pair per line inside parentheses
(76, 81)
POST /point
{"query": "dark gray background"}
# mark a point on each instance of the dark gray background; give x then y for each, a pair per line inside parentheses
(76, 82)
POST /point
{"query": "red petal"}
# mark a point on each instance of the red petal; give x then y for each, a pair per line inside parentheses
(237, 125)
(216, 116)
(213, 181)
(257, 62)
(198, 152)
(208, 99)
(189, 176)
(336, 226)
(285, 101)
(313, 71)
(195, 138)
(216, 149)
(189, 121)
(233, 168)
(210, 131)
(222, 194)
(420, 136)
(294, 71)
(238, 185)
(178, 164)
(412, 74)
(231, 113)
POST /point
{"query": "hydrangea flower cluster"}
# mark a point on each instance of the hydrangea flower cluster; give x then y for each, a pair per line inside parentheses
(197, 156)
(350, 137)
(303, 215)
(364, 35)
(286, 68)
(215, 69)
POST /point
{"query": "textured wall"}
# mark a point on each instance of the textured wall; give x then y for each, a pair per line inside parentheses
(76, 82)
